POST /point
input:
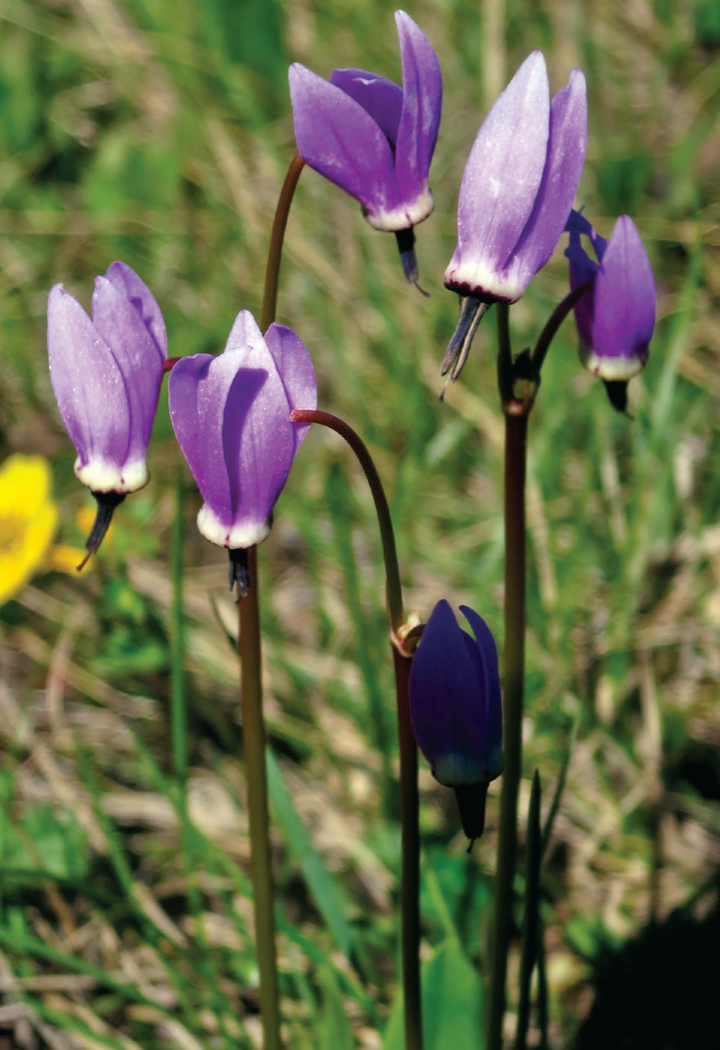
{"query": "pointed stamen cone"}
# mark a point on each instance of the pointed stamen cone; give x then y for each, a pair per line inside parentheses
(106, 504)
(471, 799)
(472, 310)
(617, 393)
(239, 571)
(406, 246)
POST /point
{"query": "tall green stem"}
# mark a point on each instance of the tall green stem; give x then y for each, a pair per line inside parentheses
(258, 812)
(409, 799)
(514, 665)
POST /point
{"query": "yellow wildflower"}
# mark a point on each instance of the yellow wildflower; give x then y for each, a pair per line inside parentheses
(28, 519)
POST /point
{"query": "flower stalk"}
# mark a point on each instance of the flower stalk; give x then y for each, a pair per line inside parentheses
(409, 798)
(277, 238)
(516, 418)
(258, 810)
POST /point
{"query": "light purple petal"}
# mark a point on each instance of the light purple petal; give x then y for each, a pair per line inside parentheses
(624, 296)
(421, 107)
(563, 167)
(505, 168)
(89, 387)
(296, 371)
(120, 324)
(379, 97)
(341, 141)
(197, 392)
(137, 291)
(232, 419)
(258, 437)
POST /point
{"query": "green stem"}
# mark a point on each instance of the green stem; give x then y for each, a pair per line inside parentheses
(409, 798)
(257, 791)
(514, 661)
(272, 269)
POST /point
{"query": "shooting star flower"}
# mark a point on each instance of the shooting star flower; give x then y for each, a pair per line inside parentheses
(374, 139)
(515, 197)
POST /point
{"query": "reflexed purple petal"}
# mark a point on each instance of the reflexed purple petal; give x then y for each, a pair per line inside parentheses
(341, 141)
(582, 270)
(295, 367)
(87, 381)
(258, 437)
(137, 291)
(491, 675)
(379, 97)
(120, 324)
(505, 168)
(563, 168)
(624, 297)
(232, 418)
(421, 106)
(577, 223)
(197, 392)
(443, 677)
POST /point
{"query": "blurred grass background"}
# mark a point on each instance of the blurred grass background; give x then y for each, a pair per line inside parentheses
(158, 132)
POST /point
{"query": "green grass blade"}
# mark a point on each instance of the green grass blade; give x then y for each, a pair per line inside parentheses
(324, 891)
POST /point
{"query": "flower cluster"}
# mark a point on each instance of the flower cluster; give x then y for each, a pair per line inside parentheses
(231, 413)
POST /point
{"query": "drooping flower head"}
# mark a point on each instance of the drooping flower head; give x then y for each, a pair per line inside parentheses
(374, 139)
(106, 374)
(231, 416)
(516, 194)
(616, 317)
(456, 708)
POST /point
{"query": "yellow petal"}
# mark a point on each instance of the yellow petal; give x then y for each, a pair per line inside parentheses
(28, 519)
(24, 484)
(63, 558)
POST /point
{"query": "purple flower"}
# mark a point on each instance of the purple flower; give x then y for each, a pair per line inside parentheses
(615, 319)
(456, 707)
(231, 416)
(106, 374)
(516, 194)
(374, 139)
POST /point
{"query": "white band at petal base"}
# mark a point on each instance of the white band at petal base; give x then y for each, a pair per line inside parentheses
(244, 535)
(404, 216)
(102, 476)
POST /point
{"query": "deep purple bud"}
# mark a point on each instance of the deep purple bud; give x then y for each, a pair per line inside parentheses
(455, 701)
(615, 319)
(516, 193)
(231, 416)
(372, 138)
(106, 374)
